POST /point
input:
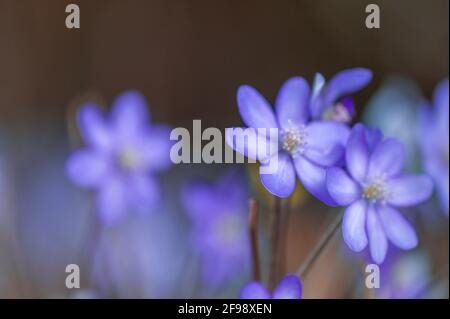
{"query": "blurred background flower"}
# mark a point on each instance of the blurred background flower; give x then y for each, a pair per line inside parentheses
(433, 136)
(288, 288)
(122, 154)
(220, 232)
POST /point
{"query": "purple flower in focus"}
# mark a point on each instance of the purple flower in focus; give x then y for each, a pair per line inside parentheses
(306, 148)
(220, 237)
(373, 189)
(289, 288)
(121, 154)
(434, 142)
(330, 101)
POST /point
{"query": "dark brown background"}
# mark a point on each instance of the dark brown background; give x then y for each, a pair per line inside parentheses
(188, 57)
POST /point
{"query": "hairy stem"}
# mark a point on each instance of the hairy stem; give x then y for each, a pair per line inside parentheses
(320, 246)
(253, 228)
(275, 245)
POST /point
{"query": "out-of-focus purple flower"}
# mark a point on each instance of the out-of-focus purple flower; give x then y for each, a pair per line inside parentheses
(433, 135)
(306, 148)
(390, 107)
(373, 188)
(219, 227)
(121, 155)
(405, 276)
(289, 288)
(331, 101)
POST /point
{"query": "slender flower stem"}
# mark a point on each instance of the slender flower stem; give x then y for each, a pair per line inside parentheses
(253, 228)
(320, 246)
(276, 232)
(286, 212)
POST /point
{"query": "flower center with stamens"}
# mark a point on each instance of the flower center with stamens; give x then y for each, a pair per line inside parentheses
(376, 191)
(128, 159)
(293, 140)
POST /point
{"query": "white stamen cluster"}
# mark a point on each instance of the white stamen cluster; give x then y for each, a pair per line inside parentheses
(337, 113)
(376, 191)
(293, 140)
(128, 159)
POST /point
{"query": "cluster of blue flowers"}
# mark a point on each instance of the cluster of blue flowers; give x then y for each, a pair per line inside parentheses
(355, 167)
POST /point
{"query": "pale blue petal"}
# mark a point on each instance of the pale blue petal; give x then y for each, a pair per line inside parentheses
(387, 159)
(377, 238)
(129, 113)
(292, 103)
(341, 187)
(250, 143)
(409, 190)
(397, 228)
(112, 201)
(346, 82)
(354, 226)
(357, 153)
(255, 111)
(254, 290)
(289, 288)
(325, 142)
(313, 178)
(93, 127)
(282, 182)
(87, 168)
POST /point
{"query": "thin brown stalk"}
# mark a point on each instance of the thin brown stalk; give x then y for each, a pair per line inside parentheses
(253, 228)
(320, 247)
(275, 243)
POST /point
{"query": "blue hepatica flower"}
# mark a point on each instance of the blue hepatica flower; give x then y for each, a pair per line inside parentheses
(331, 101)
(434, 142)
(373, 189)
(121, 154)
(289, 288)
(306, 146)
(220, 234)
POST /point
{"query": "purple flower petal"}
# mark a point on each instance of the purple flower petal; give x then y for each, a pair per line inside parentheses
(156, 146)
(325, 157)
(440, 100)
(144, 191)
(373, 137)
(129, 113)
(387, 159)
(254, 290)
(317, 105)
(282, 182)
(354, 226)
(377, 238)
(346, 82)
(397, 228)
(292, 102)
(93, 127)
(409, 190)
(248, 142)
(255, 111)
(341, 187)
(87, 168)
(357, 155)
(325, 141)
(318, 84)
(313, 178)
(112, 201)
(289, 288)
(198, 198)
